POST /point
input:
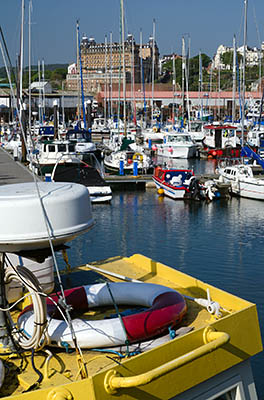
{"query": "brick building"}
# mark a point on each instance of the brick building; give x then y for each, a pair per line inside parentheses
(102, 63)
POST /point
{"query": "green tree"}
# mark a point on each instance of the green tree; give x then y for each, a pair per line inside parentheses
(227, 58)
(192, 65)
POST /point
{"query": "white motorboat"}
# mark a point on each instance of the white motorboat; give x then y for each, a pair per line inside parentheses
(127, 162)
(245, 180)
(177, 145)
(220, 136)
(196, 131)
(49, 153)
(255, 138)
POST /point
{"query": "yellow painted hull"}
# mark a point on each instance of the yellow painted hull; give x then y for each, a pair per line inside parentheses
(214, 345)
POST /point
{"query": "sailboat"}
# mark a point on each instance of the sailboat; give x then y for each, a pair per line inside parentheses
(246, 179)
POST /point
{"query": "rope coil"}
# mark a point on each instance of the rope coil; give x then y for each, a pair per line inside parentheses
(39, 338)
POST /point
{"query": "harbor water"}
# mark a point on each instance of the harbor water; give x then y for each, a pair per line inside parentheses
(221, 242)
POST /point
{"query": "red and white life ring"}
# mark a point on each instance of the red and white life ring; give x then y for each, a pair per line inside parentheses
(167, 308)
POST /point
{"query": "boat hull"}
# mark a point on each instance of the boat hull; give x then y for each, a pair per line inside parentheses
(100, 194)
(248, 190)
(201, 368)
(177, 152)
(173, 193)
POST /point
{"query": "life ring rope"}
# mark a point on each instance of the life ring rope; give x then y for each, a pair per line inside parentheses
(166, 307)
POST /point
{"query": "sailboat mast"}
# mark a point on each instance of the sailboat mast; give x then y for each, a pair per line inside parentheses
(183, 73)
(153, 71)
(105, 83)
(173, 88)
(43, 89)
(142, 75)
(187, 84)
(111, 74)
(29, 65)
(40, 103)
(133, 83)
(21, 53)
(200, 84)
(244, 70)
(124, 64)
(78, 74)
(81, 76)
(210, 88)
(234, 80)
(219, 89)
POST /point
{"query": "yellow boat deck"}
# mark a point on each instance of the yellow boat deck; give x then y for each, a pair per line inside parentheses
(212, 346)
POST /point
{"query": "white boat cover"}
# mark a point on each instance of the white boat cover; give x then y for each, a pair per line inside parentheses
(67, 208)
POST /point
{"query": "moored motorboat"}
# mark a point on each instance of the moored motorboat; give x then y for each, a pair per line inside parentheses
(177, 145)
(206, 353)
(203, 350)
(176, 183)
(183, 184)
(246, 179)
(128, 162)
(88, 173)
(220, 140)
(47, 154)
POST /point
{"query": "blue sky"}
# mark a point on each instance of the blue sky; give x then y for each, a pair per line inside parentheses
(208, 23)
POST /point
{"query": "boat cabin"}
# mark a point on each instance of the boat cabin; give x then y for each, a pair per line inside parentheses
(55, 149)
(220, 136)
(99, 124)
(81, 135)
(244, 170)
(178, 138)
(255, 137)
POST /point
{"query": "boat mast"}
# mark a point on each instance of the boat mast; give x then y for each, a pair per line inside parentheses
(62, 106)
(40, 101)
(29, 65)
(78, 74)
(187, 83)
(244, 70)
(142, 76)
(200, 84)
(111, 74)
(105, 83)
(153, 71)
(43, 90)
(124, 65)
(211, 77)
(234, 80)
(21, 55)
(173, 88)
(133, 83)
(81, 76)
(183, 73)
(219, 83)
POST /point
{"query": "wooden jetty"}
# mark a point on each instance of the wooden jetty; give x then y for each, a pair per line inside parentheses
(129, 182)
(12, 171)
